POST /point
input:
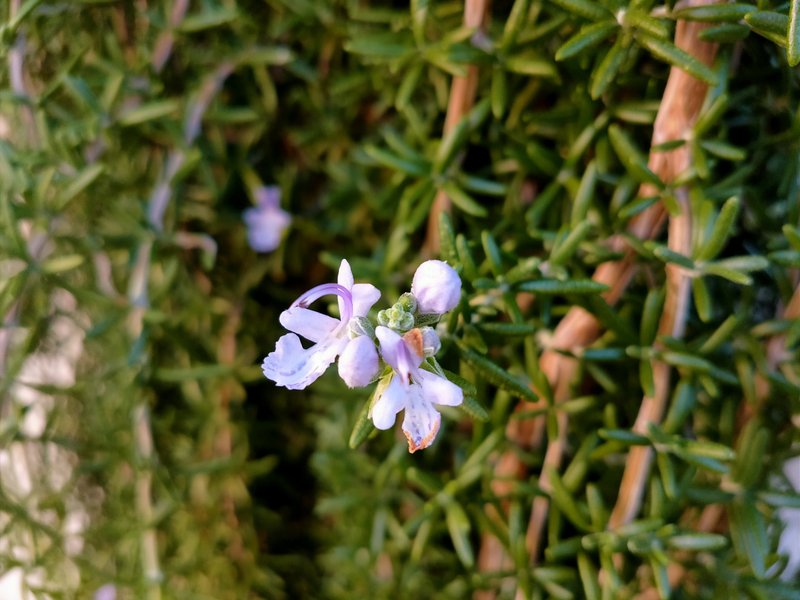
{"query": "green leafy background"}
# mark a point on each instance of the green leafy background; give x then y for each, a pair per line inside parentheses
(133, 136)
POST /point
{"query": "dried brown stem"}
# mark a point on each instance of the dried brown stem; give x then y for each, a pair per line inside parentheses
(712, 514)
(681, 103)
(165, 41)
(460, 101)
(673, 324)
(680, 106)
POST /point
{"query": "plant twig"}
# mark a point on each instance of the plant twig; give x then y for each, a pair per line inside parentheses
(460, 101)
(165, 41)
(673, 324)
(709, 519)
(681, 103)
(680, 106)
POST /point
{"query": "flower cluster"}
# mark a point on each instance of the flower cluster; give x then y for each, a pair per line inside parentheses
(411, 380)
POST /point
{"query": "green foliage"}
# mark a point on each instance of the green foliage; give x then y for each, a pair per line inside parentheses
(132, 137)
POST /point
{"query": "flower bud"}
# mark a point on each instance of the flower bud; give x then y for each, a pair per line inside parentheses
(396, 318)
(430, 342)
(436, 286)
(358, 363)
(408, 303)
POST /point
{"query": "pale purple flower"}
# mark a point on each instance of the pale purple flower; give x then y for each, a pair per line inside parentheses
(359, 363)
(295, 367)
(412, 389)
(436, 287)
(266, 221)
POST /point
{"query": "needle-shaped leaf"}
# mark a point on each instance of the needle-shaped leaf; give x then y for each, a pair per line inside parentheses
(592, 11)
(631, 157)
(715, 13)
(669, 52)
(793, 34)
(772, 25)
(588, 37)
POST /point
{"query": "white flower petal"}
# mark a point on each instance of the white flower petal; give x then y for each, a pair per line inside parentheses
(436, 287)
(358, 364)
(345, 279)
(390, 402)
(309, 324)
(439, 390)
(295, 367)
(390, 345)
(364, 296)
(397, 354)
(421, 422)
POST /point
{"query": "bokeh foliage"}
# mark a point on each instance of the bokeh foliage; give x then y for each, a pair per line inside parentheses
(135, 133)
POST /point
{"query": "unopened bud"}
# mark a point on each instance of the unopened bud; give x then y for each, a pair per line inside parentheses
(430, 342)
(396, 318)
(436, 287)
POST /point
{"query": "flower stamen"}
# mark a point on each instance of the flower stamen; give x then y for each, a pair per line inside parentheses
(328, 289)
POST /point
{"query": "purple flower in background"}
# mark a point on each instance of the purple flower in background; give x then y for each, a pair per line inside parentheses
(106, 592)
(266, 221)
(412, 389)
(295, 367)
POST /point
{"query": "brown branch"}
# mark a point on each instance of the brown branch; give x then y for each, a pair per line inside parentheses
(712, 514)
(673, 324)
(681, 103)
(462, 97)
(165, 41)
